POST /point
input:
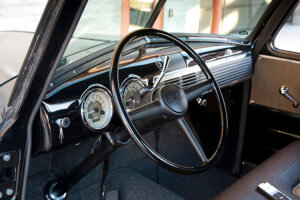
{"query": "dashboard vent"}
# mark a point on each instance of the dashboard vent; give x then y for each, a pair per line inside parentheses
(226, 71)
(189, 80)
(172, 81)
(185, 81)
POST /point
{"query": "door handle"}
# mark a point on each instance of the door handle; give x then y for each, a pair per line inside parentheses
(285, 92)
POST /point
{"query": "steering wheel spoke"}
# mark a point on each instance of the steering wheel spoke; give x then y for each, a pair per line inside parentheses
(151, 109)
(199, 89)
(191, 135)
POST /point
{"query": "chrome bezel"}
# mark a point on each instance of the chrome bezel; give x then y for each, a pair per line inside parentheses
(85, 94)
(131, 78)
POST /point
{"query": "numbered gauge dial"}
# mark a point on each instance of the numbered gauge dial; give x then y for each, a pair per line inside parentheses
(129, 87)
(96, 108)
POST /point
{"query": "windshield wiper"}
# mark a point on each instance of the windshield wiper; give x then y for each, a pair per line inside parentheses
(66, 59)
(91, 47)
(93, 39)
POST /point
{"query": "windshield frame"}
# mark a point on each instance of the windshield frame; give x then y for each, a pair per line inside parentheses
(262, 21)
(77, 67)
(151, 20)
(104, 55)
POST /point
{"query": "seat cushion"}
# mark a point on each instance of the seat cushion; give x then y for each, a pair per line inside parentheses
(127, 184)
(281, 171)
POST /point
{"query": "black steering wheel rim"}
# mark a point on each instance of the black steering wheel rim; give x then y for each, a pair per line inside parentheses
(135, 135)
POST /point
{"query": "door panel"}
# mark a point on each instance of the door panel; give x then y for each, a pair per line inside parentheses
(272, 121)
(271, 73)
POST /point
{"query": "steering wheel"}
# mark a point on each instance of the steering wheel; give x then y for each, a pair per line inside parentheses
(169, 101)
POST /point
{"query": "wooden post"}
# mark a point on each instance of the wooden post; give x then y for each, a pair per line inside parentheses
(216, 16)
(158, 24)
(125, 17)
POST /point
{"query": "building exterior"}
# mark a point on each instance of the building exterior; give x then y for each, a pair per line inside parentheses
(237, 16)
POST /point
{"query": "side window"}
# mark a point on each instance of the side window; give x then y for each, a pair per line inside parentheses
(18, 21)
(287, 38)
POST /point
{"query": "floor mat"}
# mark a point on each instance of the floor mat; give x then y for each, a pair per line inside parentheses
(49, 167)
(203, 186)
(37, 184)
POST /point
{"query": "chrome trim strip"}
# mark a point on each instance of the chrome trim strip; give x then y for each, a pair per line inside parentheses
(284, 133)
(238, 65)
(221, 60)
(178, 73)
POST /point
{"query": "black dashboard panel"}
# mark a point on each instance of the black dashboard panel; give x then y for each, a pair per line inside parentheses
(229, 63)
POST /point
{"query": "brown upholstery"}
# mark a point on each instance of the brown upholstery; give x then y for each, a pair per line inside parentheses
(270, 74)
(275, 170)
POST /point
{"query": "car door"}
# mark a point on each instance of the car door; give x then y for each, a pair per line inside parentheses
(49, 42)
(274, 112)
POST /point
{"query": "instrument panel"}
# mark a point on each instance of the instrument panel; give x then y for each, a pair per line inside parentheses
(96, 107)
(90, 109)
(129, 87)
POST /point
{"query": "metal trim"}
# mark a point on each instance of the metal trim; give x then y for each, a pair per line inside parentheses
(174, 74)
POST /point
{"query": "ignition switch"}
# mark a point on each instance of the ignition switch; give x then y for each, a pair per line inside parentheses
(63, 123)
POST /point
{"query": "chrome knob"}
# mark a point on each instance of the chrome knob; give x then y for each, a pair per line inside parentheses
(9, 191)
(201, 102)
(6, 157)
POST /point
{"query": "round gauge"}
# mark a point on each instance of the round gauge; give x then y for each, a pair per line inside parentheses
(129, 87)
(96, 107)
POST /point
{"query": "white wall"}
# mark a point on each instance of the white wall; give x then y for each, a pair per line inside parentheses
(101, 16)
(194, 16)
(24, 15)
(21, 15)
(185, 18)
(296, 16)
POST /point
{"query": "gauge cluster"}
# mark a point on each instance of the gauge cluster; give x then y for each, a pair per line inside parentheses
(96, 107)
(129, 87)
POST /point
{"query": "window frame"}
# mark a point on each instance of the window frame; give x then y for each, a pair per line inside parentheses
(262, 21)
(280, 52)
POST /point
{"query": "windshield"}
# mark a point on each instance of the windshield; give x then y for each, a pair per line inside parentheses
(104, 22)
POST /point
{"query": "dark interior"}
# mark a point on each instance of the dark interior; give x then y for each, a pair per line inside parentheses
(128, 173)
(72, 158)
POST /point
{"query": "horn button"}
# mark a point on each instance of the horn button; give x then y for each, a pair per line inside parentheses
(173, 99)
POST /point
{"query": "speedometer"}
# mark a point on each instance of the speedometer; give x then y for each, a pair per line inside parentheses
(96, 107)
(128, 88)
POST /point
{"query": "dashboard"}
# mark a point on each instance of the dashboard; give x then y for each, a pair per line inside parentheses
(82, 106)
